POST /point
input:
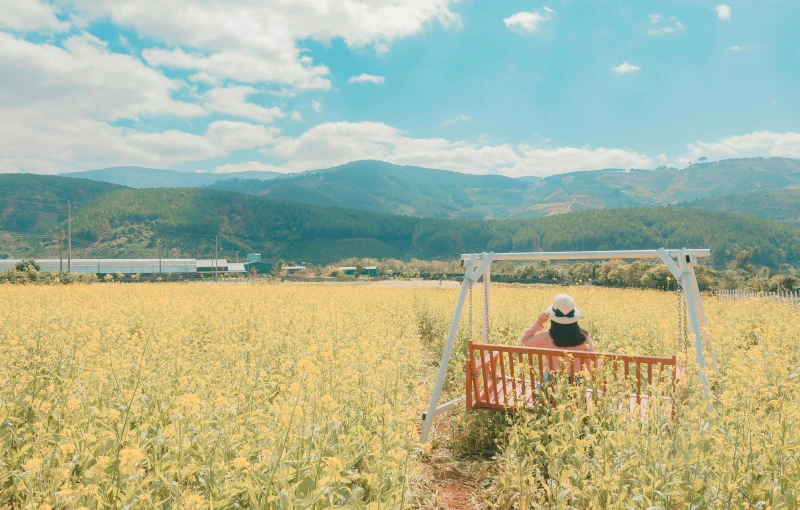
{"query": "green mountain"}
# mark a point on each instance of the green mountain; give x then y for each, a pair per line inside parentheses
(383, 187)
(37, 203)
(137, 177)
(781, 205)
(184, 222)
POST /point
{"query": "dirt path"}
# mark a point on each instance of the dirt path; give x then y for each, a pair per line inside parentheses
(453, 481)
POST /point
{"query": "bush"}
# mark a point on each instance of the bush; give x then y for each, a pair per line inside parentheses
(25, 264)
(33, 277)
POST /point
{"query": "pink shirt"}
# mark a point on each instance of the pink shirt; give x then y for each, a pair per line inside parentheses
(536, 336)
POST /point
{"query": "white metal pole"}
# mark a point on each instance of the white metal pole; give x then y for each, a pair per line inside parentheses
(448, 348)
(69, 237)
(701, 314)
(487, 281)
(694, 323)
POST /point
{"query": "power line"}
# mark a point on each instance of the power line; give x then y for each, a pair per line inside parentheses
(34, 203)
(28, 234)
(41, 212)
(183, 234)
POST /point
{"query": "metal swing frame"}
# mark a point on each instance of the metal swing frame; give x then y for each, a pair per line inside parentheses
(479, 265)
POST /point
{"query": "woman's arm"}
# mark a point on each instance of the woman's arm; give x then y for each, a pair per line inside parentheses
(537, 328)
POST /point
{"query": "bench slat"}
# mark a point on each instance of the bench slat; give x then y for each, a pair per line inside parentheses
(523, 393)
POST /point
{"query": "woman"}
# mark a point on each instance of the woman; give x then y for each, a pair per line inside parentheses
(564, 331)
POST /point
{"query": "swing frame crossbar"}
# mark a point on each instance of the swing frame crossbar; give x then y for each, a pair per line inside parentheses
(478, 265)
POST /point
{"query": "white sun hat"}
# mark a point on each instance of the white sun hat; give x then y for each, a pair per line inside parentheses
(563, 310)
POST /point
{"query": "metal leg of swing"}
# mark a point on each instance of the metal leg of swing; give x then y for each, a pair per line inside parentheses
(448, 348)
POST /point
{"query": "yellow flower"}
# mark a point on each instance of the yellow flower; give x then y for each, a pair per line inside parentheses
(33, 465)
(129, 458)
(240, 463)
(188, 403)
(193, 501)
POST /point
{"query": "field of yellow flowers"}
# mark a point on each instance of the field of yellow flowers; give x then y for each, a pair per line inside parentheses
(308, 396)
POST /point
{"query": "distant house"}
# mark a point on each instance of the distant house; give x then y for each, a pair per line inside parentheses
(208, 266)
(366, 270)
(294, 269)
(220, 266)
(113, 266)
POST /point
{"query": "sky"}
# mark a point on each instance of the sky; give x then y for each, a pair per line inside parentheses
(477, 86)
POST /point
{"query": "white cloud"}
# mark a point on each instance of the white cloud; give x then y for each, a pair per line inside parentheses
(316, 105)
(723, 12)
(745, 48)
(258, 41)
(367, 78)
(30, 16)
(757, 143)
(56, 105)
(230, 135)
(335, 143)
(83, 78)
(250, 166)
(297, 116)
(548, 9)
(670, 26)
(285, 93)
(381, 49)
(204, 77)
(233, 101)
(626, 68)
(299, 73)
(527, 21)
(457, 118)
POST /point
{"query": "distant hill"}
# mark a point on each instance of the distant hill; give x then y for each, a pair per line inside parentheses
(124, 222)
(37, 203)
(781, 205)
(382, 187)
(138, 177)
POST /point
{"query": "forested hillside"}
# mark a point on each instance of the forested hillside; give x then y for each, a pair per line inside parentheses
(383, 187)
(781, 205)
(138, 177)
(183, 222)
(392, 189)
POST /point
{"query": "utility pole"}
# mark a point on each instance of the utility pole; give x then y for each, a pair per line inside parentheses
(158, 243)
(61, 252)
(216, 256)
(69, 237)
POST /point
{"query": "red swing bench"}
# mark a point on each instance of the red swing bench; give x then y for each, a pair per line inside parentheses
(511, 378)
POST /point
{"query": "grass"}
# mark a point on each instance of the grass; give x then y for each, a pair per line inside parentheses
(308, 396)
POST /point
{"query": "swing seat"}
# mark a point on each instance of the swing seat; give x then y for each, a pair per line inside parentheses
(512, 378)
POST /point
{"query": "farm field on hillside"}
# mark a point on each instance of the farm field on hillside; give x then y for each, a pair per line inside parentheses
(308, 396)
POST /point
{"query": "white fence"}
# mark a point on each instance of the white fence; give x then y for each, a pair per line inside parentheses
(782, 296)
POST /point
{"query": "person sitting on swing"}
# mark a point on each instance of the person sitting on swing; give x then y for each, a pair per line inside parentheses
(564, 333)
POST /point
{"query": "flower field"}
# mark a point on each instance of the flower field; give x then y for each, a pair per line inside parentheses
(308, 396)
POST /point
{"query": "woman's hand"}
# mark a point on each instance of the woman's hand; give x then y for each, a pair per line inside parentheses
(543, 318)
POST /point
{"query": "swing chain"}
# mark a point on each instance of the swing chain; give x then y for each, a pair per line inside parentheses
(470, 310)
(683, 325)
(486, 305)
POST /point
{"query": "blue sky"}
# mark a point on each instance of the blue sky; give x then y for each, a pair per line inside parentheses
(504, 86)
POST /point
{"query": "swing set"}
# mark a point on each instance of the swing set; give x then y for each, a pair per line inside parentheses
(504, 377)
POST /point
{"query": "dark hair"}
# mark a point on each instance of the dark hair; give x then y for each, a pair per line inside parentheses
(567, 335)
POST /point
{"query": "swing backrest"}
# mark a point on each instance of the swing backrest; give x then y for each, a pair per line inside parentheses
(505, 376)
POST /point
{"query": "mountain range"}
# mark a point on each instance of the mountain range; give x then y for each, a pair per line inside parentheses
(138, 177)
(109, 220)
(413, 191)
